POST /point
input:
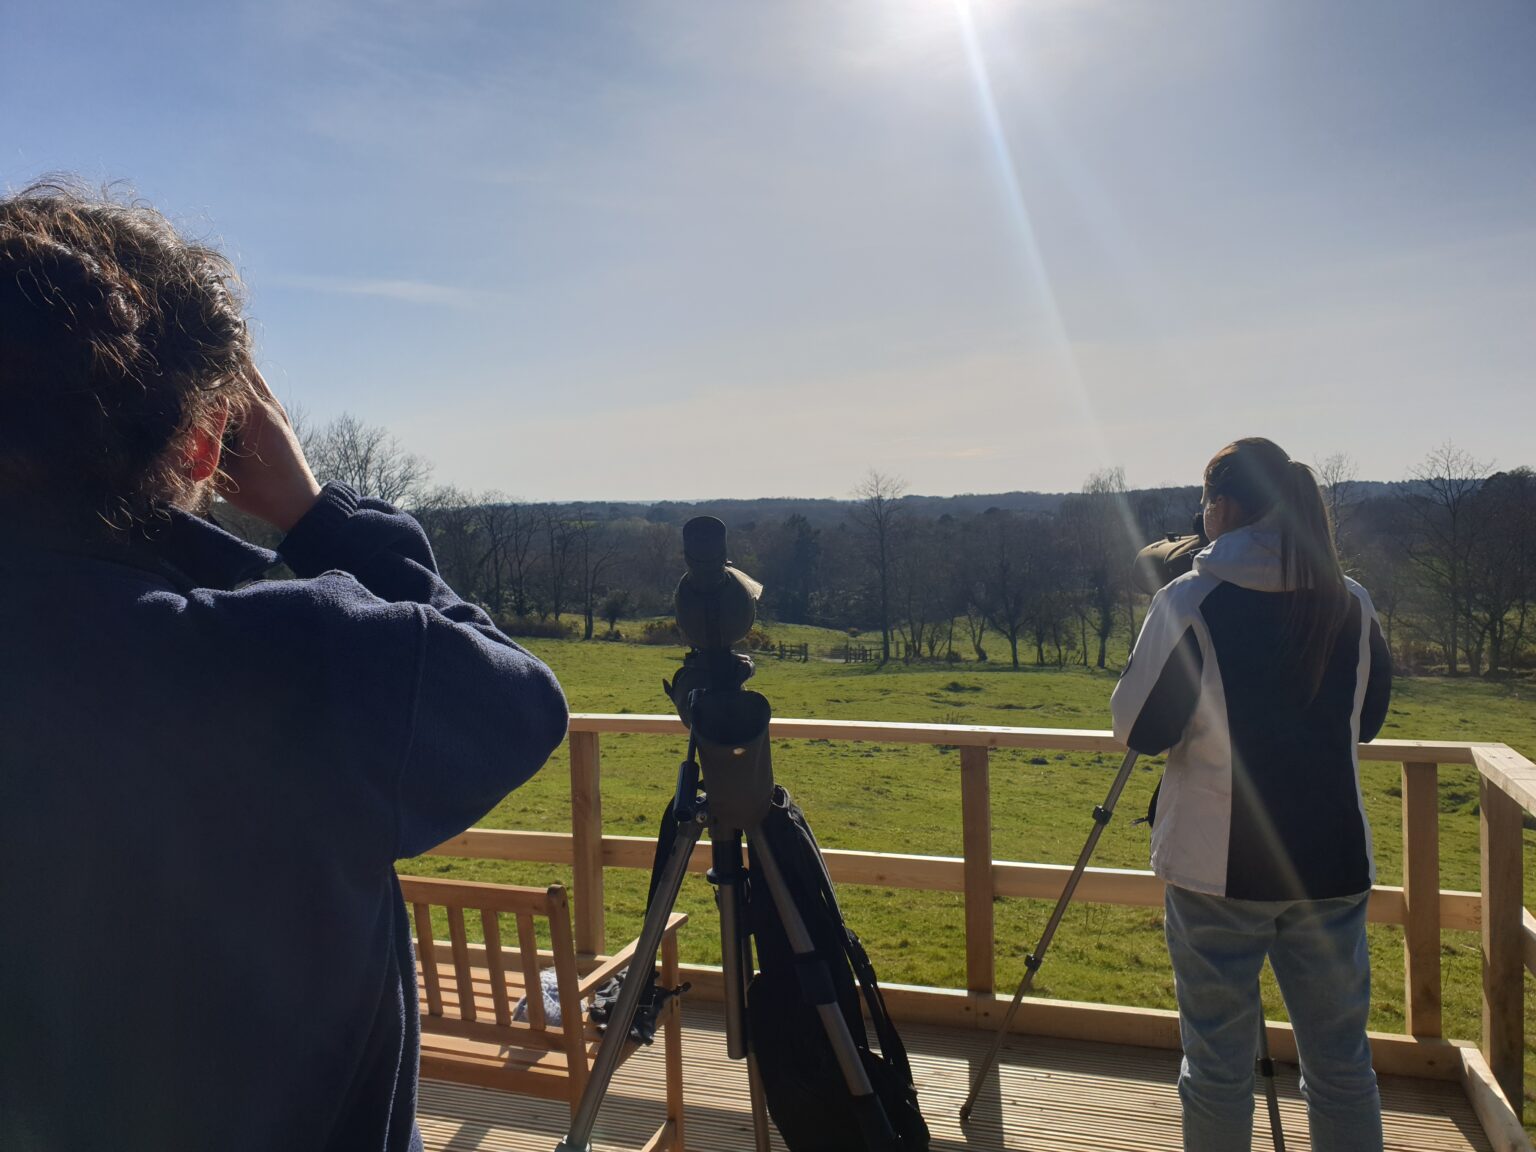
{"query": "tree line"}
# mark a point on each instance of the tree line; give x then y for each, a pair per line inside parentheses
(1448, 555)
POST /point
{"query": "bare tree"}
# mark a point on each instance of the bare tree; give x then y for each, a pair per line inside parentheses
(658, 553)
(876, 516)
(594, 549)
(367, 457)
(1501, 575)
(1379, 566)
(925, 555)
(1439, 542)
(558, 542)
(447, 516)
(506, 531)
(1101, 528)
(1340, 479)
(1009, 552)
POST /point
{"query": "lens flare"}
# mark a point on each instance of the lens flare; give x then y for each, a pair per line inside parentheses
(1065, 371)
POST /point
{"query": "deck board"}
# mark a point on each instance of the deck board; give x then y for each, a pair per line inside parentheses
(1052, 1096)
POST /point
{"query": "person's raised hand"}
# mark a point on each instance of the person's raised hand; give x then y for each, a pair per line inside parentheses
(265, 472)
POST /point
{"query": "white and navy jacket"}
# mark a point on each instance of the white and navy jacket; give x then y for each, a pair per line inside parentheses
(1261, 797)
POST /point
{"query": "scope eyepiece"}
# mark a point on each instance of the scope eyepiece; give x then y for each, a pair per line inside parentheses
(704, 547)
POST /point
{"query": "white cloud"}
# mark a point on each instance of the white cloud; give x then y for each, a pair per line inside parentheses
(408, 291)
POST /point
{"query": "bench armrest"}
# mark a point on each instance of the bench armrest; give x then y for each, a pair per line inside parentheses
(610, 968)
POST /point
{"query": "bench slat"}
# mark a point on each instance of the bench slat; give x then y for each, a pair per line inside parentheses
(528, 950)
(425, 950)
(567, 981)
(497, 970)
(463, 981)
(474, 894)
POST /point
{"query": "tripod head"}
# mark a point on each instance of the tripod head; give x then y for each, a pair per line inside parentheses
(716, 605)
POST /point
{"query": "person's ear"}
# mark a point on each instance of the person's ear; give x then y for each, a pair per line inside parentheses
(200, 456)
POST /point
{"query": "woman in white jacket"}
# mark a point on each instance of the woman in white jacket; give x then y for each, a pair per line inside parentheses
(1259, 672)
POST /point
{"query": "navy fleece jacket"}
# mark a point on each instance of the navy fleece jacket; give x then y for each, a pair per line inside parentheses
(204, 784)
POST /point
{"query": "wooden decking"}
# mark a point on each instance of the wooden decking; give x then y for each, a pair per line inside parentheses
(1053, 1096)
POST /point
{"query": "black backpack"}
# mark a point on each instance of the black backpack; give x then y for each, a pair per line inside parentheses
(806, 1093)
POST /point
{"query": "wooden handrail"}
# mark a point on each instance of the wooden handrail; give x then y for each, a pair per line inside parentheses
(1511, 772)
(988, 736)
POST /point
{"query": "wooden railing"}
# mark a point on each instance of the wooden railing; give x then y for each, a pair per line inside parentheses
(1491, 1071)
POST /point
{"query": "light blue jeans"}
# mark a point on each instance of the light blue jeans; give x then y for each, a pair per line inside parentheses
(1318, 952)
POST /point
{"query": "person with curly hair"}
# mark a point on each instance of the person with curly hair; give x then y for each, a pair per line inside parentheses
(207, 773)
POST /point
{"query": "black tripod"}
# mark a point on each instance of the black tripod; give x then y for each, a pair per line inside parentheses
(1032, 962)
(1101, 817)
(725, 785)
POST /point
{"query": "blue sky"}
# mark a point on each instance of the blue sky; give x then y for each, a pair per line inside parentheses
(672, 250)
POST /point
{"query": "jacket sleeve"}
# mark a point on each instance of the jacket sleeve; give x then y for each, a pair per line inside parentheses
(1156, 696)
(1378, 685)
(484, 713)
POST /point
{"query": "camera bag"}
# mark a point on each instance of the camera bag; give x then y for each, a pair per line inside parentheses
(804, 1087)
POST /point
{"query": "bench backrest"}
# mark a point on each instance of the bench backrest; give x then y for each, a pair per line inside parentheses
(454, 989)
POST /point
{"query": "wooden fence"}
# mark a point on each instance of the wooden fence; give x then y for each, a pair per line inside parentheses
(1491, 1071)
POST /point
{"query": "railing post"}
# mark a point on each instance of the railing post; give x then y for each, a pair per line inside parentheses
(976, 832)
(1503, 959)
(1421, 896)
(587, 840)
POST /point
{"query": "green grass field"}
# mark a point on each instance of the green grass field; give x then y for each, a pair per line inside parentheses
(907, 799)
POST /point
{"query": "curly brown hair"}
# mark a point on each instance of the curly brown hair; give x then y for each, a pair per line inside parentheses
(118, 338)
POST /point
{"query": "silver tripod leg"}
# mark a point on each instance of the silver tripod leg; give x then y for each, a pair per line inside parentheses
(579, 1138)
(1032, 962)
(760, 1142)
(735, 950)
(874, 1123)
(736, 963)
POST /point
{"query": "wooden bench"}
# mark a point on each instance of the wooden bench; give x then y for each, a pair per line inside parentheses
(469, 992)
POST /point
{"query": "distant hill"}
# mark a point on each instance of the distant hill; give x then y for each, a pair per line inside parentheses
(826, 513)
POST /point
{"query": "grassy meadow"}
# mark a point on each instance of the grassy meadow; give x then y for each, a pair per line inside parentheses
(902, 798)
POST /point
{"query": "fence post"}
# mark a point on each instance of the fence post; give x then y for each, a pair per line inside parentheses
(976, 833)
(587, 840)
(1421, 896)
(1503, 955)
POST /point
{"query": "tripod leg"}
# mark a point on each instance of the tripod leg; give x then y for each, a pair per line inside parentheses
(759, 1106)
(672, 1024)
(1267, 1070)
(1032, 962)
(579, 1138)
(736, 962)
(875, 1125)
(726, 875)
